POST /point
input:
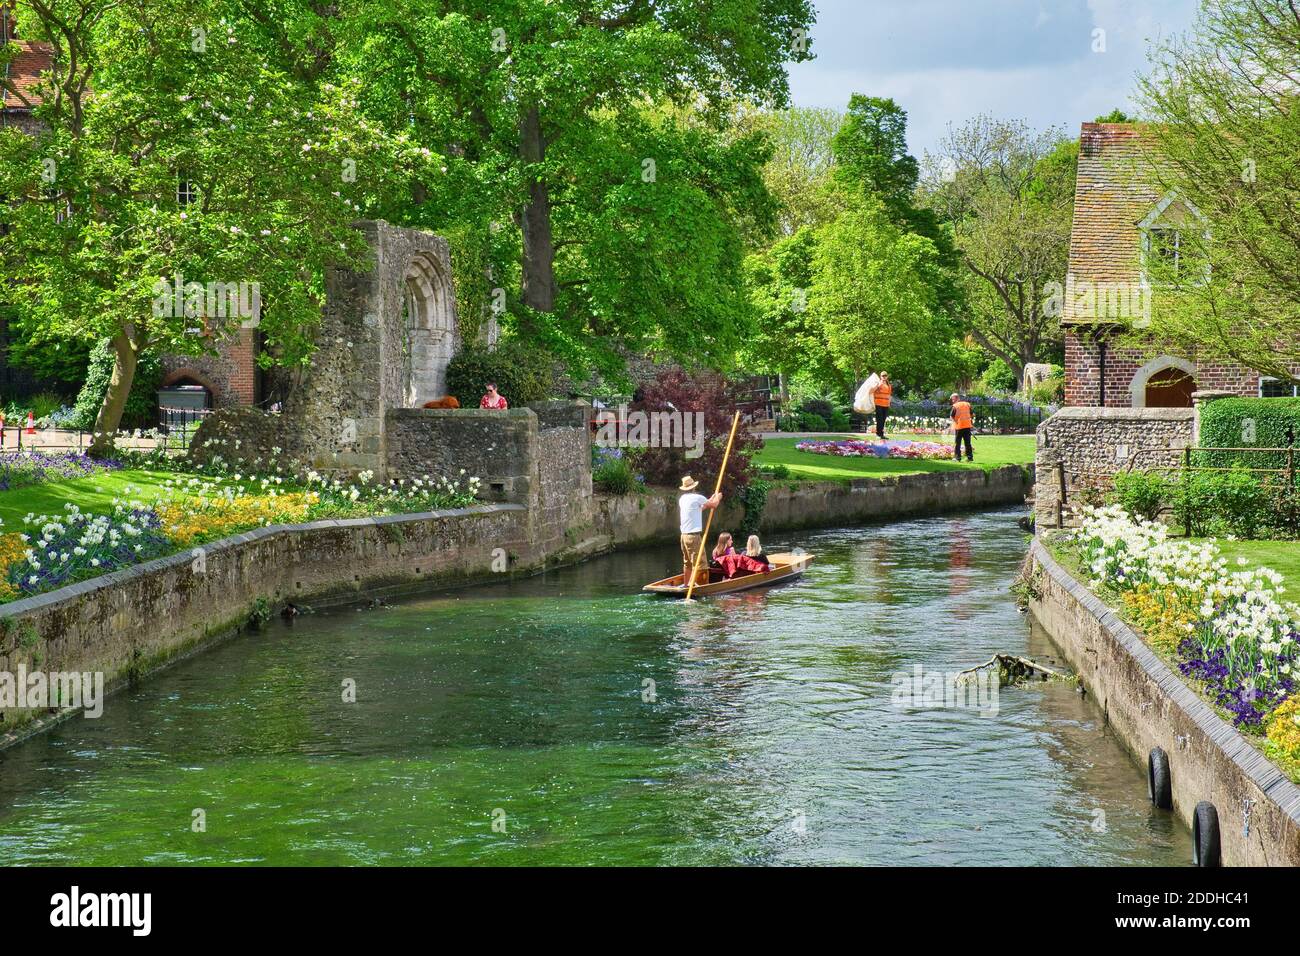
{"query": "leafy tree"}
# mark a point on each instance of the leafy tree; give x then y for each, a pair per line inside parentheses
(799, 172)
(196, 158)
(1226, 136)
(599, 139)
(875, 294)
(1008, 195)
(1114, 116)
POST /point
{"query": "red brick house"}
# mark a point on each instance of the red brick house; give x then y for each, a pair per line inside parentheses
(232, 376)
(1120, 223)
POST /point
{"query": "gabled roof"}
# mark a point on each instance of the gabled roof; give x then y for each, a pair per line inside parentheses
(1111, 198)
(24, 71)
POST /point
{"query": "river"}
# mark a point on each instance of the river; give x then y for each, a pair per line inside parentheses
(569, 719)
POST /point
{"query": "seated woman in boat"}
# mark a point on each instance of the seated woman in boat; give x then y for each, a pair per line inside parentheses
(754, 551)
(752, 561)
(723, 548)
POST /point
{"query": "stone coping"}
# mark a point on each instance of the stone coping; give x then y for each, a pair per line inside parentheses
(122, 575)
(1093, 413)
(1271, 781)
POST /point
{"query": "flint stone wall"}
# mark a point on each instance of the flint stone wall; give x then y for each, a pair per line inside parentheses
(1093, 444)
(334, 419)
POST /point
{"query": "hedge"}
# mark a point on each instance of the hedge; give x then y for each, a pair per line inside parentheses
(1247, 422)
(522, 374)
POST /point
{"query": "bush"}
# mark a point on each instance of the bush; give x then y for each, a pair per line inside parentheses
(1143, 493)
(717, 401)
(1217, 503)
(611, 472)
(141, 409)
(818, 407)
(999, 377)
(523, 373)
(808, 422)
(1051, 390)
(1246, 422)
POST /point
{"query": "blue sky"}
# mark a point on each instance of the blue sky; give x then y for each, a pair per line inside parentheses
(945, 61)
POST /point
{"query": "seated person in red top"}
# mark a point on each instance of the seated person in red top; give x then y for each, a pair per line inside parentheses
(493, 399)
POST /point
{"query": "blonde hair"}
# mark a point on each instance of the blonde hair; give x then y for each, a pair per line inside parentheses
(752, 547)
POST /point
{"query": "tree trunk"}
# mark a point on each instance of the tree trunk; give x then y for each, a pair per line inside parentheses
(535, 219)
(127, 356)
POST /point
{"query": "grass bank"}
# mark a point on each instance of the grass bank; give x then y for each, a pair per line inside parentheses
(991, 451)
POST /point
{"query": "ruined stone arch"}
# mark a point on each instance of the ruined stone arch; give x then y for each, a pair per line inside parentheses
(428, 332)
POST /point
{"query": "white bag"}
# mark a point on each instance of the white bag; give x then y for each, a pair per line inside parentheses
(864, 403)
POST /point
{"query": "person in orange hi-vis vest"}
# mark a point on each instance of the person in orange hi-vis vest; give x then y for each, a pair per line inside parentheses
(882, 393)
(961, 424)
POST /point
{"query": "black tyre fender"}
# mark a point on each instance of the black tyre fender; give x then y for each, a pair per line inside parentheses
(1205, 835)
(1159, 783)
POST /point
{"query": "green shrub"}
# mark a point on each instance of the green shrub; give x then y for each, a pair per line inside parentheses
(141, 409)
(614, 475)
(1143, 493)
(808, 422)
(523, 374)
(1246, 423)
(1051, 390)
(779, 472)
(999, 377)
(1224, 502)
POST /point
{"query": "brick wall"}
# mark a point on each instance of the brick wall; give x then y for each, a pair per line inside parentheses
(1083, 373)
(231, 374)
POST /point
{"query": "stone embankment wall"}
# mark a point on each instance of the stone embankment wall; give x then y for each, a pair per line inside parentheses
(1148, 706)
(1082, 448)
(653, 517)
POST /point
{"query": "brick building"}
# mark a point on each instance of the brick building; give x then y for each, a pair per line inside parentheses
(1120, 224)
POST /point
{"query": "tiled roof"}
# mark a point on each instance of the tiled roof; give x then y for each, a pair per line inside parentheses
(24, 70)
(1110, 200)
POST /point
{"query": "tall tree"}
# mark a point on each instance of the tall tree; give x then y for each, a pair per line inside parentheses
(173, 152)
(1008, 194)
(1226, 135)
(601, 137)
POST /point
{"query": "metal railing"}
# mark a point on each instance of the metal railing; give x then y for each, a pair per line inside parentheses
(1087, 484)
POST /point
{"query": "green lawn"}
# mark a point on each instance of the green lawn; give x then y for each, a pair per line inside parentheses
(94, 494)
(990, 452)
(1282, 556)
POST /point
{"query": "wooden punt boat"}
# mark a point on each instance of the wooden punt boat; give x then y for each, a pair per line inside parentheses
(785, 567)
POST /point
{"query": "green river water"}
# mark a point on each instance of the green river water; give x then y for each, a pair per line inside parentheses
(772, 736)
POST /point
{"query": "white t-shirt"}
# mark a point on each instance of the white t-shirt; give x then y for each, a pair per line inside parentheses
(691, 507)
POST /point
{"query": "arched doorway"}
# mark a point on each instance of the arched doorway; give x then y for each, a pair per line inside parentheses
(428, 331)
(1164, 382)
(1170, 388)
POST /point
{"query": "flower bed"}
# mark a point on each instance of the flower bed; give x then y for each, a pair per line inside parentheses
(54, 550)
(1230, 631)
(23, 469)
(893, 448)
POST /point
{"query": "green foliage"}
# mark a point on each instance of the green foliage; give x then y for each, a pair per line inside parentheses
(1246, 423)
(1143, 493)
(999, 377)
(522, 374)
(1051, 390)
(753, 498)
(615, 476)
(142, 404)
(1221, 503)
(1222, 105)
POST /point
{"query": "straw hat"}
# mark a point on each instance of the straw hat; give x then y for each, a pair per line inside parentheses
(688, 484)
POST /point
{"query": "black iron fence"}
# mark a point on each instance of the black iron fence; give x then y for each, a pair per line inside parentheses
(176, 427)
